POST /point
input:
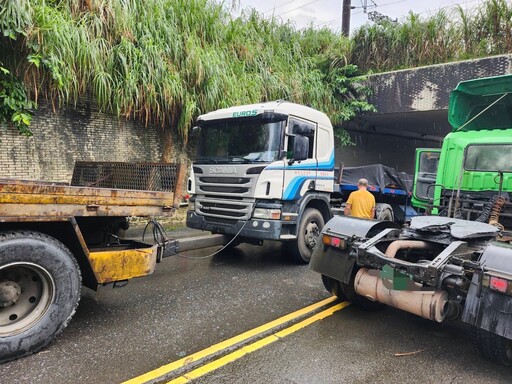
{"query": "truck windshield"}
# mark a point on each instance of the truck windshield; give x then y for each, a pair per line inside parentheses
(240, 141)
(489, 158)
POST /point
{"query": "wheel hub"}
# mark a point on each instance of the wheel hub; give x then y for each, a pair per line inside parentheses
(10, 292)
(312, 235)
(26, 293)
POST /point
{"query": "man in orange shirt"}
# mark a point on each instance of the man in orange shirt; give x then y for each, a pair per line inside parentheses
(361, 203)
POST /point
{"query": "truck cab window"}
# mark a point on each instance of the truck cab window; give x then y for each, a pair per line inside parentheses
(427, 172)
(243, 140)
(488, 158)
(306, 129)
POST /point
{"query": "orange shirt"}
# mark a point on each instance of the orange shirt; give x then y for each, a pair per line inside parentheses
(361, 204)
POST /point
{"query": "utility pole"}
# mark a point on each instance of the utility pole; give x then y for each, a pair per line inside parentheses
(345, 17)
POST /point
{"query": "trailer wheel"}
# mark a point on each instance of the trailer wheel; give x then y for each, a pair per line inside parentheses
(384, 212)
(493, 346)
(39, 291)
(308, 235)
(347, 292)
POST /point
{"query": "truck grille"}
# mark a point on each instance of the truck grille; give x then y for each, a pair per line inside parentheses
(224, 197)
(222, 208)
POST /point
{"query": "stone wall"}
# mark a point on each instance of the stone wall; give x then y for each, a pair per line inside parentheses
(80, 133)
(428, 88)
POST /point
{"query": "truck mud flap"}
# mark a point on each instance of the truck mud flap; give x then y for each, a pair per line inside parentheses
(333, 263)
(485, 308)
(488, 310)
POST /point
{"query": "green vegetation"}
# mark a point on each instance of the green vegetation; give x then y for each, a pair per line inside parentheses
(443, 37)
(15, 107)
(166, 61)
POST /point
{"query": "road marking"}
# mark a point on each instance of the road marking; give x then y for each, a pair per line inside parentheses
(245, 350)
(168, 368)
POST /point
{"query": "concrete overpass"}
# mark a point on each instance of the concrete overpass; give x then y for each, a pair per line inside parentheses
(412, 111)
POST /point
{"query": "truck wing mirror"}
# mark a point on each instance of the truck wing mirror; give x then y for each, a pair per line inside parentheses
(300, 145)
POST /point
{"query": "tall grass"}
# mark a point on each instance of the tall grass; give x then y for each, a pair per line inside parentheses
(443, 37)
(166, 61)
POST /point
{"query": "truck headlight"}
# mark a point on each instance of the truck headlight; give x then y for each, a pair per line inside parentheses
(269, 214)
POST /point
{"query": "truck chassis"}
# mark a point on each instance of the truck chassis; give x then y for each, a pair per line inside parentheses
(438, 268)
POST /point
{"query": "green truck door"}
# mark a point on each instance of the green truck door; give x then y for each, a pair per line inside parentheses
(425, 173)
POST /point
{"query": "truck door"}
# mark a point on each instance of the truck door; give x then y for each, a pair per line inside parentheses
(300, 175)
(425, 173)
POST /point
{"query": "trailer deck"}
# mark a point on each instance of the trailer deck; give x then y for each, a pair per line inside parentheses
(22, 200)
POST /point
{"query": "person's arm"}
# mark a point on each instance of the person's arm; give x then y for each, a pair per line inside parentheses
(373, 212)
(348, 205)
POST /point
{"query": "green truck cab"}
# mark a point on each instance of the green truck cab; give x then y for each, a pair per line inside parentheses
(474, 164)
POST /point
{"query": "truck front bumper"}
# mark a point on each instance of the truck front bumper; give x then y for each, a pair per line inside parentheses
(253, 228)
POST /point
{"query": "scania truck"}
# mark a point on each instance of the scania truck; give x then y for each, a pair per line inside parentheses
(267, 172)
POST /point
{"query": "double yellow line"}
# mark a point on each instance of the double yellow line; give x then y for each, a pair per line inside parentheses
(236, 341)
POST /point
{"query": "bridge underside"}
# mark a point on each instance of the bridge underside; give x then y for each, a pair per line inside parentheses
(412, 111)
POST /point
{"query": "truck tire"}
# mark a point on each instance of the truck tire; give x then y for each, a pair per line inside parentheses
(308, 235)
(40, 286)
(347, 292)
(493, 346)
(384, 212)
(333, 287)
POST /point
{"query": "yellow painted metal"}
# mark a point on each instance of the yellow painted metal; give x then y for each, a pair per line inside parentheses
(116, 263)
(24, 199)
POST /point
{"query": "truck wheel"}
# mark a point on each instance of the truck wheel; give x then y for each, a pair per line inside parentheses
(493, 346)
(333, 287)
(39, 291)
(308, 235)
(383, 212)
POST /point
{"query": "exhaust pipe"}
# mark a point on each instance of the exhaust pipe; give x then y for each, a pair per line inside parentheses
(396, 245)
(430, 305)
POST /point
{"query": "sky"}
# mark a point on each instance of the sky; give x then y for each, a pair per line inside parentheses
(328, 12)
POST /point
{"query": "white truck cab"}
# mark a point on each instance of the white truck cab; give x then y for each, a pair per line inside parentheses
(263, 172)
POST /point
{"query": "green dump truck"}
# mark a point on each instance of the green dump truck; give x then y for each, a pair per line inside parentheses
(455, 264)
(474, 165)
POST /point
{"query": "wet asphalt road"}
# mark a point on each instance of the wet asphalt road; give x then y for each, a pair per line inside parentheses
(188, 305)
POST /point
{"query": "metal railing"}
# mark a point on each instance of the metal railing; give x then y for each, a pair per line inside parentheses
(119, 175)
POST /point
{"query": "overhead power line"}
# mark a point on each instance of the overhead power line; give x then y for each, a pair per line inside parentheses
(279, 6)
(302, 6)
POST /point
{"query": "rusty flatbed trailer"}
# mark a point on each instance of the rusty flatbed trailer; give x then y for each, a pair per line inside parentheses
(35, 200)
(54, 238)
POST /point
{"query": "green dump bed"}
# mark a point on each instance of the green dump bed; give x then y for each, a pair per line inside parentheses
(481, 104)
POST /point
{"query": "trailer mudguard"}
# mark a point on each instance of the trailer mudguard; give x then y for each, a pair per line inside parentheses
(486, 308)
(338, 263)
